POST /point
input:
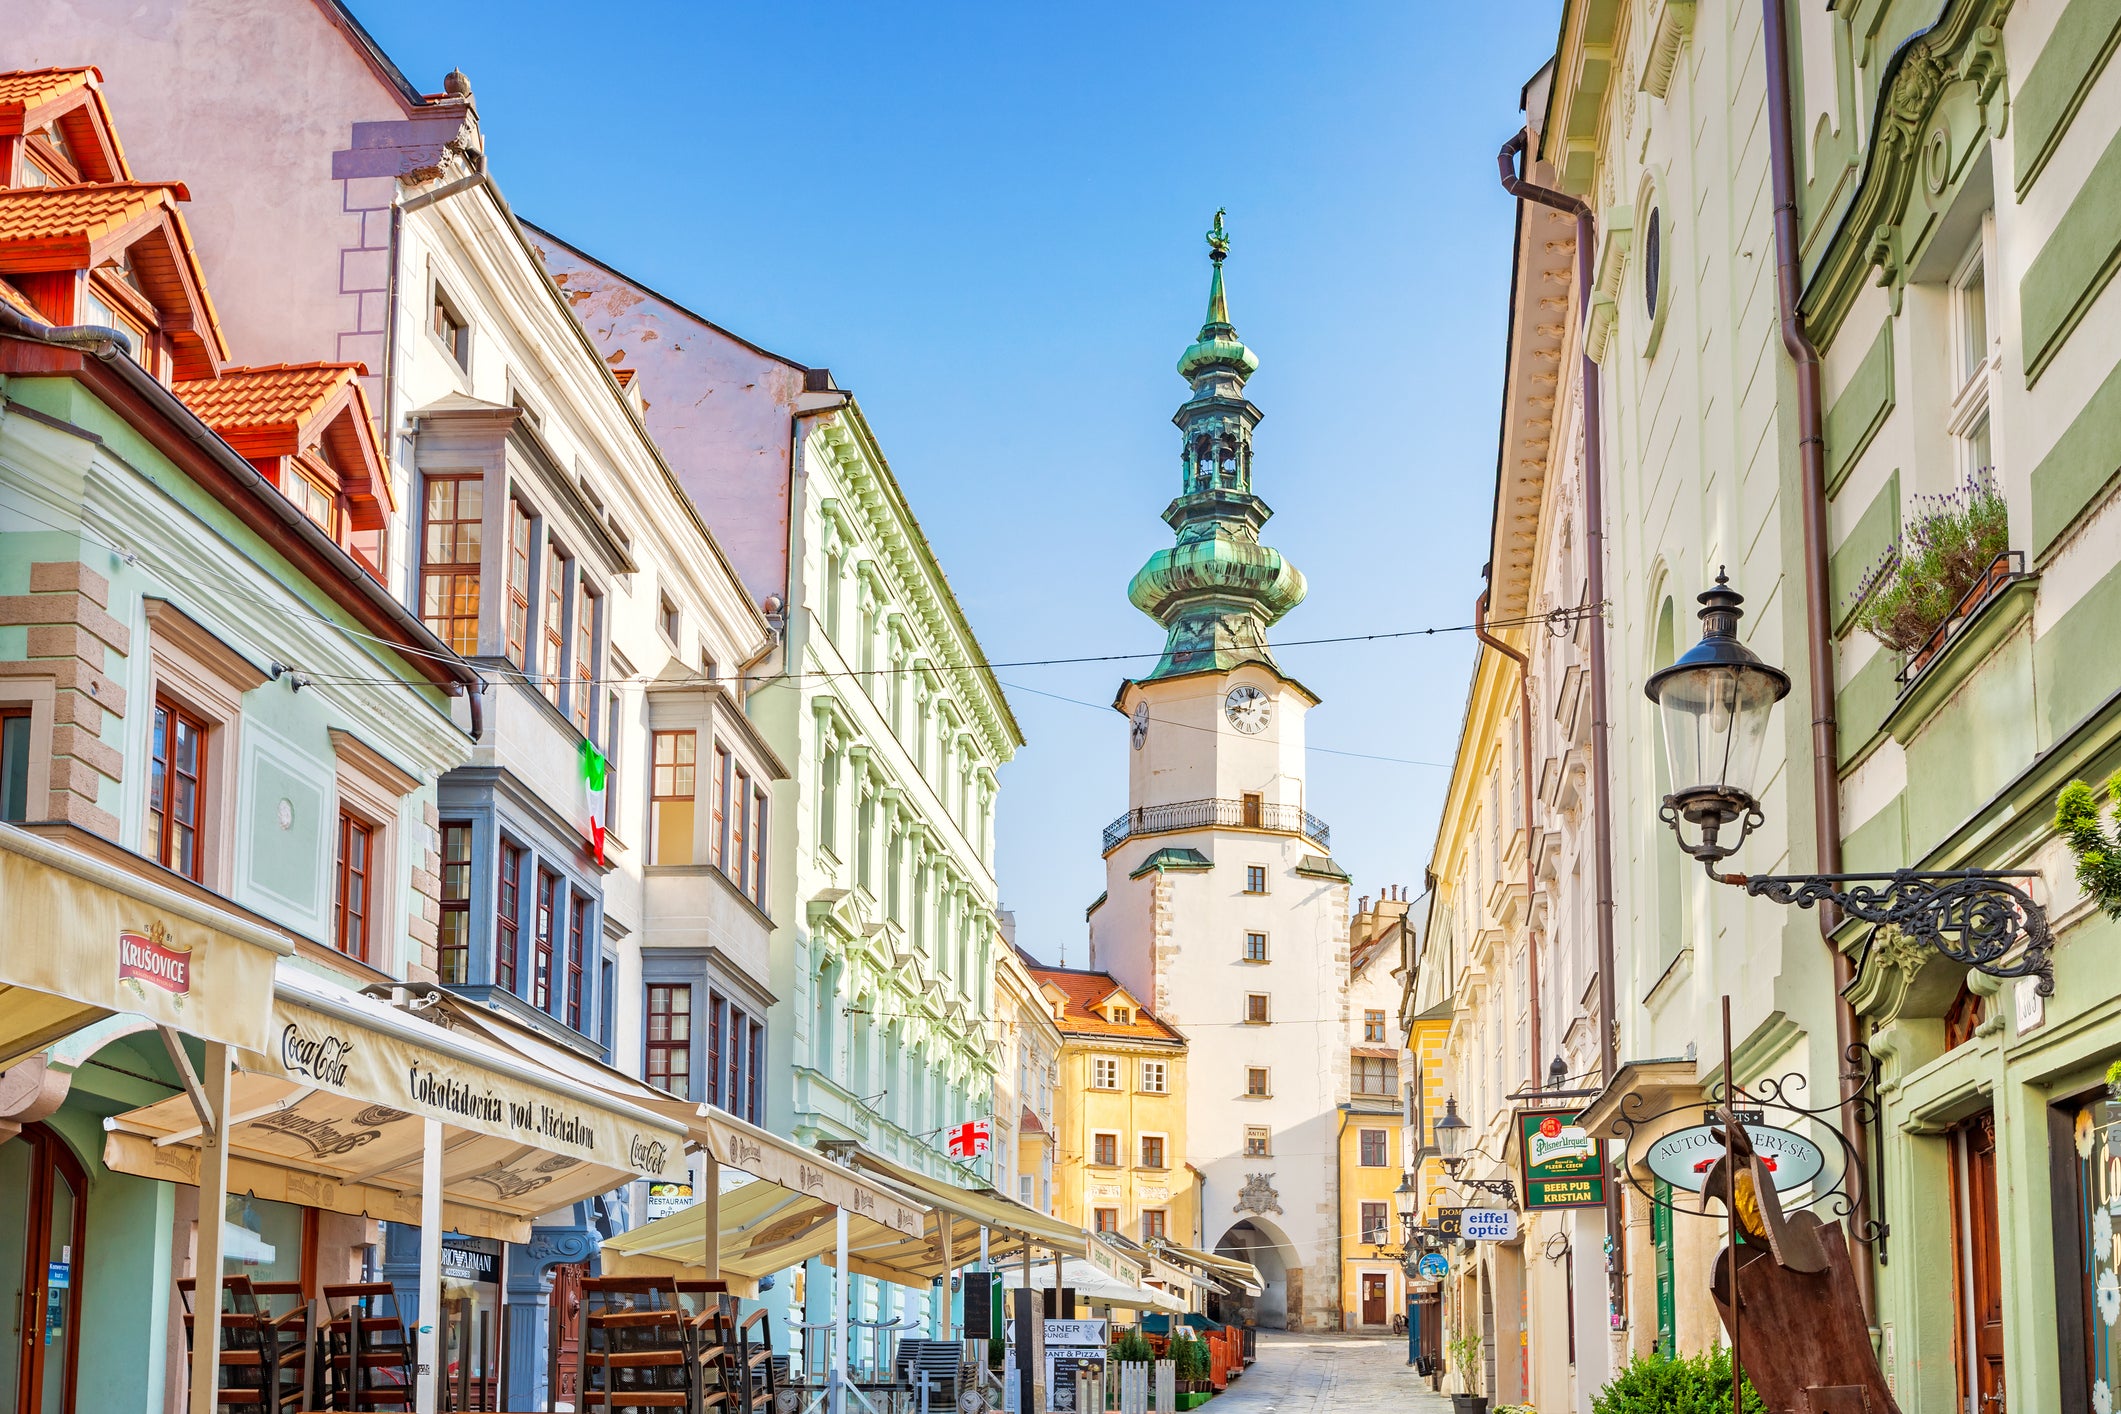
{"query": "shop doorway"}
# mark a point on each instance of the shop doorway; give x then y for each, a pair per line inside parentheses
(1374, 1299)
(40, 1266)
(1978, 1275)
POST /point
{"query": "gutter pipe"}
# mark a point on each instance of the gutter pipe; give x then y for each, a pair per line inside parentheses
(114, 350)
(1818, 615)
(1524, 722)
(1601, 763)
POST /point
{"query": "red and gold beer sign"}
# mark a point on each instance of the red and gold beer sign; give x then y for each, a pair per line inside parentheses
(151, 958)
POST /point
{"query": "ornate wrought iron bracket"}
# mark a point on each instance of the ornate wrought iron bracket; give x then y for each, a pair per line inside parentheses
(1973, 917)
(1503, 1188)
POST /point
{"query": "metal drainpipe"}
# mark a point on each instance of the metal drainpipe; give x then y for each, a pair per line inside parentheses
(1818, 619)
(1601, 765)
(1524, 721)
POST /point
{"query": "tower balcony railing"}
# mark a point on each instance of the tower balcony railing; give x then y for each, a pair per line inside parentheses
(1202, 814)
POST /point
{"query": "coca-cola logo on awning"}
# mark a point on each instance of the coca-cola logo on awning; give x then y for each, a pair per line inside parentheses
(323, 1058)
(151, 958)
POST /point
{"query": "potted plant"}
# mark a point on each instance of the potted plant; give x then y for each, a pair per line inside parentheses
(1189, 1359)
(2113, 1082)
(1949, 557)
(1653, 1384)
(1464, 1351)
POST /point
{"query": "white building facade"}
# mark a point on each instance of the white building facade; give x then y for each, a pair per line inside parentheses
(1223, 909)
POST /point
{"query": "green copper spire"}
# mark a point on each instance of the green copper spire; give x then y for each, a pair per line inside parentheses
(1218, 590)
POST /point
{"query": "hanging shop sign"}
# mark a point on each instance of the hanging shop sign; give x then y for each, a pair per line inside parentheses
(1433, 1267)
(1559, 1161)
(1684, 1157)
(667, 1198)
(1447, 1222)
(1490, 1225)
(465, 1263)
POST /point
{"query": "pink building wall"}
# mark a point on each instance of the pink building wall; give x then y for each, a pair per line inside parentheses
(290, 154)
(721, 409)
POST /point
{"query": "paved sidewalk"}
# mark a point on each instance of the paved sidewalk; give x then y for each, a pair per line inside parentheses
(1328, 1374)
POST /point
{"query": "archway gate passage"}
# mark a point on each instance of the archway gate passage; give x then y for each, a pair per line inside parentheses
(1273, 1256)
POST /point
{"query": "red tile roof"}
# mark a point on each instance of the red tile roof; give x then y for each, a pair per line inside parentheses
(278, 396)
(33, 88)
(77, 215)
(1083, 991)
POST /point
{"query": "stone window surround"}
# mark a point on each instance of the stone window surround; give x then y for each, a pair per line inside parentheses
(1162, 1138)
(190, 666)
(40, 696)
(1090, 1159)
(371, 788)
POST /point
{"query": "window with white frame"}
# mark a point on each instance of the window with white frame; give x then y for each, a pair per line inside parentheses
(1155, 1079)
(1152, 1151)
(1975, 360)
(1259, 1141)
(1104, 1072)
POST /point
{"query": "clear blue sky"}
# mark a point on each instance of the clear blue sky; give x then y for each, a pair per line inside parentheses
(986, 220)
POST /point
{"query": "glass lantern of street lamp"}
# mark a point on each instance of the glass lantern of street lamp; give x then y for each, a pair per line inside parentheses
(1450, 1133)
(1406, 1195)
(1714, 703)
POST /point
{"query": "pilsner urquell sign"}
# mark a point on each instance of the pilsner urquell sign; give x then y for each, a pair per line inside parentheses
(1560, 1162)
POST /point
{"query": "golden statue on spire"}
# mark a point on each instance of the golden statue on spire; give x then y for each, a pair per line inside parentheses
(1218, 238)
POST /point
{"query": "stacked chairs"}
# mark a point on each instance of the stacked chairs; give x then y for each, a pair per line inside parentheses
(368, 1354)
(653, 1343)
(263, 1355)
(932, 1372)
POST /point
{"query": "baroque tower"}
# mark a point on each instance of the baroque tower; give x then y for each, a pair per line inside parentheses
(1223, 907)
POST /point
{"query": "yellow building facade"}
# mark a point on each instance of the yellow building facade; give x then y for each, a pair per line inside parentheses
(1120, 1111)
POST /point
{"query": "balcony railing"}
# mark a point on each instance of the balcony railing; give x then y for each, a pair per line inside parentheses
(1202, 814)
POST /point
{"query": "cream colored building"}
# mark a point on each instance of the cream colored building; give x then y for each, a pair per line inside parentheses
(1027, 1048)
(1375, 1134)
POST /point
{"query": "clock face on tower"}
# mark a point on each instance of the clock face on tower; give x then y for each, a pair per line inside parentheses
(1141, 724)
(1248, 709)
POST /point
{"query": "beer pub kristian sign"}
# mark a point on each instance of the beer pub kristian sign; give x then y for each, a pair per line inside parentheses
(1559, 1161)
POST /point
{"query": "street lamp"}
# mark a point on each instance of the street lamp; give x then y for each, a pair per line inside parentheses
(1450, 1133)
(1714, 704)
(1450, 1147)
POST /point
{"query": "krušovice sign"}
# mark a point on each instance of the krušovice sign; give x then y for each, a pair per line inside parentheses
(1683, 1157)
(1559, 1161)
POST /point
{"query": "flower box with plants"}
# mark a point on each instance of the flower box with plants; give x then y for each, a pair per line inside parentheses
(1951, 558)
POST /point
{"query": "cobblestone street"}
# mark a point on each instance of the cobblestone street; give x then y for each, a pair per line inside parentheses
(1315, 1374)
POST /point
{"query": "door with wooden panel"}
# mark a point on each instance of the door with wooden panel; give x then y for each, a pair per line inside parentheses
(1374, 1300)
(41, 1249)
(1979, 1272)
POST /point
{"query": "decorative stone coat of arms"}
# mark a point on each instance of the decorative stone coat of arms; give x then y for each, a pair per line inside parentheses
(1258, 1195)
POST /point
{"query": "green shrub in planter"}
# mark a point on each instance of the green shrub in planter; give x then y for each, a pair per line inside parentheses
(1189, 1358)
(1651, 1384)
(1132, 1348)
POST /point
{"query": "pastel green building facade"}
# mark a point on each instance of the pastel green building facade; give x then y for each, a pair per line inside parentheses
(1958, 176)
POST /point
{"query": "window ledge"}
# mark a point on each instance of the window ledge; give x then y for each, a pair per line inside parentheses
(1962, 656)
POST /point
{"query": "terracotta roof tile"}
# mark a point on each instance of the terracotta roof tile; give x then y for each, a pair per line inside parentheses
(81, 213)
(1082, 992)
(25, 89)
(279, 395)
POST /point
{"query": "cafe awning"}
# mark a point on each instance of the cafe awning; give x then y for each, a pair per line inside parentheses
(87, 939)
(1242, 1275)
(734, 1143)
(764, 1228)
(330, 1113)
(1099, 1287)
(1010, 1225)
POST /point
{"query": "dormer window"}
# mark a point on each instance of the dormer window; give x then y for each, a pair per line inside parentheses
(1120, 1015)
(314, 500)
